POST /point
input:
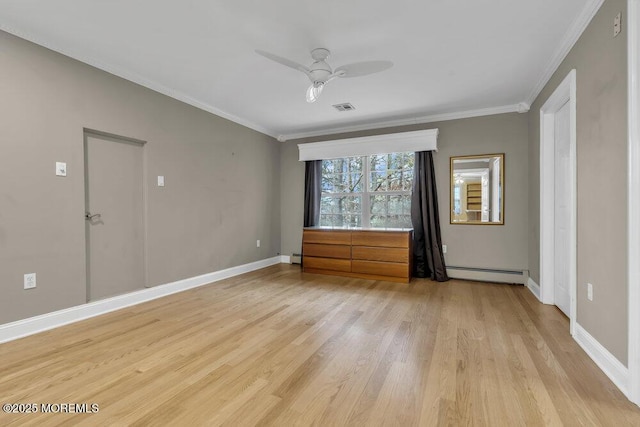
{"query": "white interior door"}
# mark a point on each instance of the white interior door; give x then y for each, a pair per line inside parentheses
(562, 210)
(114, 216)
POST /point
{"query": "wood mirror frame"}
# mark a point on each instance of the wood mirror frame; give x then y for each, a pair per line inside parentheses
(477, 189)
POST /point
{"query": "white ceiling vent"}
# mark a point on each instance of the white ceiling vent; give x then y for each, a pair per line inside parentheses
(344, 107)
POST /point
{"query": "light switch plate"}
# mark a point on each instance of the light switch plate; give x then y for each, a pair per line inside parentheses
(160, 181)
(61, 169)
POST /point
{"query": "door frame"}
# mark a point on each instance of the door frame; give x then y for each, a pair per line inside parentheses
(633, 207)
(86, 132)
(565, 92)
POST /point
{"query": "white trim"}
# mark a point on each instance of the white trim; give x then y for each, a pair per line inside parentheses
(44, 322)
(513, 108)
(633, 219)
(606, 361)
(534, 288)
(570, 38)
(565, 92)
(403, 142)
(138, 79)
(285, 259)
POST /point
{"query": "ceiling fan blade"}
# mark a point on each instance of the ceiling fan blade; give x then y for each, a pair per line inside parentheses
(335, 76)
(359, 69)
(284, 61)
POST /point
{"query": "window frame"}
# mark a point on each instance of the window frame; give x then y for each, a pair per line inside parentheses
(366, 194)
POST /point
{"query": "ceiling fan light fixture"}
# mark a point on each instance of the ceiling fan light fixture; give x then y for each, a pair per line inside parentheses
(314, 91)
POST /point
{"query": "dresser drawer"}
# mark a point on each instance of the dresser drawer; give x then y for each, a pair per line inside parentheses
(326, 251)
(380, 238)
(380, 268)
(328, 237)
(327, 264)
(380, 254)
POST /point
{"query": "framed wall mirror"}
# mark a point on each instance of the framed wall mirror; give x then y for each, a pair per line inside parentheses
(477, 190)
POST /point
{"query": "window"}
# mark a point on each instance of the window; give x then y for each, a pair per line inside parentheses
(367, 191)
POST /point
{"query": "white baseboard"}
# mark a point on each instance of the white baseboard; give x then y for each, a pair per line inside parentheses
(607, 362)
(485, 276)
(44, 322)
(285, 259)
(534, 288)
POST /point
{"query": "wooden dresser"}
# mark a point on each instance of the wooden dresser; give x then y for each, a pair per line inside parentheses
(368, 254)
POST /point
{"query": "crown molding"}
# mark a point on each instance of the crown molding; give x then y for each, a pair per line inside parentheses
(514, 108)
(570, 38)
(136, 78)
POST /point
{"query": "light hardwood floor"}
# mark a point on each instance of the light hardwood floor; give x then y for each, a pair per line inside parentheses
(278, 347)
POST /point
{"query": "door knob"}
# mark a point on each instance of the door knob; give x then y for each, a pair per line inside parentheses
(90, 217)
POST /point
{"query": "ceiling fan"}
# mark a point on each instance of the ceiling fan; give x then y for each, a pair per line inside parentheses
(320, 73)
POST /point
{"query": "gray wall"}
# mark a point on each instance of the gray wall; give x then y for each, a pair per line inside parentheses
(222, 179)
(601, 73)
(495, 246)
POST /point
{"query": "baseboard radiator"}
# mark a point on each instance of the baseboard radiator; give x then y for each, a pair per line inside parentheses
(488, 274)
(296, 258)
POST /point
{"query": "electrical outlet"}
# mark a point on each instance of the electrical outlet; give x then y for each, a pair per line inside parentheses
(617, 24)
(61, 169)
(589, 291)
(444, 249)
(30, 280)
(257, 243)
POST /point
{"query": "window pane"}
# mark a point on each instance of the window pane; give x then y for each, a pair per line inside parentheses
(341, 220)
(391, 211)
(326, 205)
(378, 181)
(342, 175)
(392, 221)
(406, 204)
(341, 211)
(391, 172)
(378, 205)
(378, 221)
(407, 179)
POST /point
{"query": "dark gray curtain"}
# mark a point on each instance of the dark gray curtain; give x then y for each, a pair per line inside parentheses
(428, 260)
(312, 192)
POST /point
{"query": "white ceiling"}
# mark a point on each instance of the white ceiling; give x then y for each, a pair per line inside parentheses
(451, 56)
